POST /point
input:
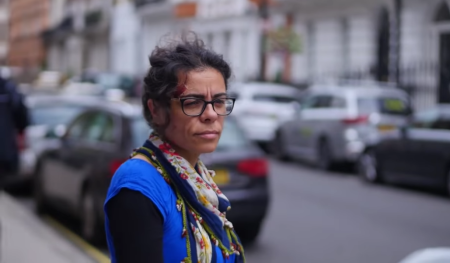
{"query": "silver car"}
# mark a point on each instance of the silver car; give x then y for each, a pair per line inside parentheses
(335, 123)
(261, 107)
(49, 114)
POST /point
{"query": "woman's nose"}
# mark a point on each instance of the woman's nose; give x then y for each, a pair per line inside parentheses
(209, 113)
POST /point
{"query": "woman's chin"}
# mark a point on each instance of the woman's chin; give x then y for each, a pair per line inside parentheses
(206, 147)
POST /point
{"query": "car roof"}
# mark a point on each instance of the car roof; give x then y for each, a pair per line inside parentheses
(375, 90)
(124, 107)
(263, 88)
(41, 99)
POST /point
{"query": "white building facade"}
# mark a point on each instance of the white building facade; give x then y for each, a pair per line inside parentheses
(344, 38)
(125, 38)
(81, 39)
(229, 27)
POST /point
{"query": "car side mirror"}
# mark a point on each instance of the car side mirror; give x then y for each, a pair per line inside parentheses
(57, 132)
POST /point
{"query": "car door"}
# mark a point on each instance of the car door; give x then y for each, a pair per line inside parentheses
(60, 164)
(433, 151)
(414, 158)
(94, 154)
(300, 130)
(312, 122)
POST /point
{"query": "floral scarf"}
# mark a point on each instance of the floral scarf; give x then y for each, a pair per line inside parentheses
(199, 199)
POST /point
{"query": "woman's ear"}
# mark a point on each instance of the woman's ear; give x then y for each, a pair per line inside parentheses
(154, 111)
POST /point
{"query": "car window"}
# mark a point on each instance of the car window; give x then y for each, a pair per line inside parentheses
(232, 136)
(140, 131)
(233, 94)
(278, 98)
(431, 119)
(53, 115)
(109, 129)
(338, 102)
(317, 102)
(97, 129)
(384, 105)
(425, 119)
(78, 126)
(441, 124)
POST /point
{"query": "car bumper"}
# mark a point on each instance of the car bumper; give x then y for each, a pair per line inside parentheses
(247, 206)
(27, 163)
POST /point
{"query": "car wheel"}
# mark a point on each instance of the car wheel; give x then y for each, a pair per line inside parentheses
(278, 147)
(368, 167)
(90, 226)
(324, 161)
(38, 192)
(248, 233)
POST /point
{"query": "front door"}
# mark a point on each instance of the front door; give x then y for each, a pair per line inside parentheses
(444, 69)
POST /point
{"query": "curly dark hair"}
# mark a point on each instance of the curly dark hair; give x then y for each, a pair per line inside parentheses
(166, 62)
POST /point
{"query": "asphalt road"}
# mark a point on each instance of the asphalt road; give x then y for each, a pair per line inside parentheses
(318, 217)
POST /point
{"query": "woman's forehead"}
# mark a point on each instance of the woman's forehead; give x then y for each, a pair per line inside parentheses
(208, 81)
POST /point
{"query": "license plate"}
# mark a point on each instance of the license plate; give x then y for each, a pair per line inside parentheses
(222, 177)
(384, 128)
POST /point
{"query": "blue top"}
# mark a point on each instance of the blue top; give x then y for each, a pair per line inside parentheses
(138, 175)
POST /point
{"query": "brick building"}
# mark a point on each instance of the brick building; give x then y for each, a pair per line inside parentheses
(4, 20)
(28, 18)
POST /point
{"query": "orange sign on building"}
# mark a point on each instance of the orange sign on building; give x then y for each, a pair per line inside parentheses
(186, 10)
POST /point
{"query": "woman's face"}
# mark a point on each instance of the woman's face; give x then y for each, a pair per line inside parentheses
(192, 136)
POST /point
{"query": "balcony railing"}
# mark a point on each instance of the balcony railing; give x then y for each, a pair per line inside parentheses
(93, 18)
(140, 3)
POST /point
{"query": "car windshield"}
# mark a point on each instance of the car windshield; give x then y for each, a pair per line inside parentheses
(232, 137)
(278, 98)
(113, 81)
(384, 105)
(53, 115)
(140, 131)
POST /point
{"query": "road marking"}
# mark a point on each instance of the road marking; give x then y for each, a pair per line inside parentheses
(93, 252)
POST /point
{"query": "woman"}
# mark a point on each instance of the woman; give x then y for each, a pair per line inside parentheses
(162, 204)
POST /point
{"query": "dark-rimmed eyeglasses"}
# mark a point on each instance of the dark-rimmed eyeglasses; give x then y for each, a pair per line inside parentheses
(194, 107)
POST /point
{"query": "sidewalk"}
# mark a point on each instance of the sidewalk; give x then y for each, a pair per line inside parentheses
(25, 238)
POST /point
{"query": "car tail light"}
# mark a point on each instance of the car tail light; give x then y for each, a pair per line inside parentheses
(357, 120)
(21, 141)
(254, 167)
(115, 164)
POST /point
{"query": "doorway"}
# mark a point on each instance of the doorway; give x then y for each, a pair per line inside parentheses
(444, 68)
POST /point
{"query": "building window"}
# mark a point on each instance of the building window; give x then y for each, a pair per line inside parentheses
(345, 45)
(311, 48)
(209, 40)
(227, 45)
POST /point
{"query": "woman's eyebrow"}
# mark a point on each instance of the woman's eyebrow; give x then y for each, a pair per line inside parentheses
(202, 96)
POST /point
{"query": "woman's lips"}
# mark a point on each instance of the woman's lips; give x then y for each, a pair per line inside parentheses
(209, 135)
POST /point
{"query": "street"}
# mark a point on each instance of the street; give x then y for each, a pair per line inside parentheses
(333, 217)
(323, 217)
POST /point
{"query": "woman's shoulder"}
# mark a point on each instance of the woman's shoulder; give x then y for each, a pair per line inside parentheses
(136, 170)
(141, 176)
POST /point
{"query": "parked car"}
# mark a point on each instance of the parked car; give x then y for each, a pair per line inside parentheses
(261, 107)
(336, 123)
(108, 80)
(74, 177)
(48, 113)
(417, 153)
